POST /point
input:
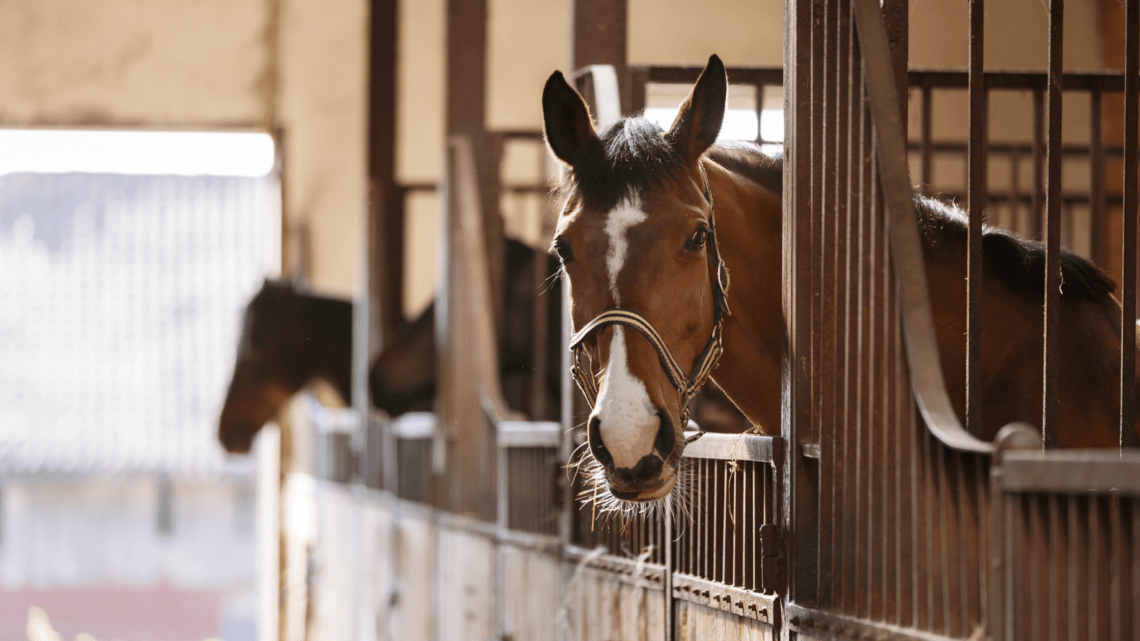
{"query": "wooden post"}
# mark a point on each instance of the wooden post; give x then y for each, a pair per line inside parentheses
(599, 37)
(386, 228)
(377, 317)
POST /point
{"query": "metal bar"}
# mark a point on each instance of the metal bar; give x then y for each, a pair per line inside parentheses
(1120, 579)
(1015, 196)
(1015, 79)
(1098, 572)
(828, 276)
(1098, 238)
(1135, 555)
(1128, 261)
(1072, 471)
(820, 47)
(1078, 572)
(1057, 563)
(797, 486)
(976, 202)
(953, 148)
(860, 421)
(732, 447)
(876, 425)
(845, 460)
(1038, 163)
(927, 125)
(759, 102)
(1052, 236)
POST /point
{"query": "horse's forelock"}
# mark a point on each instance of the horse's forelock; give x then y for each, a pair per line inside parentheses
(630, 156)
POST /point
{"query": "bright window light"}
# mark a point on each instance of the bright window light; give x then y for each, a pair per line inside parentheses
(180, 153)
(739, 124)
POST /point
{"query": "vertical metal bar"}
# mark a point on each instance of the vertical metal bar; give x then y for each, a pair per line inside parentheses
(1078, 579)
(798, 488)
(1036, 566)
(976, 203)
(1128, 262)
(1038, 163)
(1052, 228)
(1135, 555)
(1058, 570)
(1098, 238)
(969, 537)
(1098, 570)
(927, 143)
(759, 102)
(827, 356)
(995, 621)
(1016, 224)
(725, 523)
(861, 417)
(1116, 552)
(891, 436)
(876, 456)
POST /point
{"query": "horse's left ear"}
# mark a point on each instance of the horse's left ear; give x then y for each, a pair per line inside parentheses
(566, 119)
(699, 119)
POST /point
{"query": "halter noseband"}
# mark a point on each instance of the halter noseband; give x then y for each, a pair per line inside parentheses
(686, 386)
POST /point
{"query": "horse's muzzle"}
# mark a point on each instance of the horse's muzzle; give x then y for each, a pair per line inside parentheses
(647, 479)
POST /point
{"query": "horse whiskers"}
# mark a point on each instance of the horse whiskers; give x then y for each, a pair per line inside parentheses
(677, 505)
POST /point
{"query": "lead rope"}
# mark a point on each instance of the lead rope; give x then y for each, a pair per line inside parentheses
(688, 386)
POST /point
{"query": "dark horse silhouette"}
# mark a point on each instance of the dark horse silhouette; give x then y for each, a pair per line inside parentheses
(290, 338)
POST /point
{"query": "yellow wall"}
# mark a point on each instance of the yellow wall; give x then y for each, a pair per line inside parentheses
(125, 62)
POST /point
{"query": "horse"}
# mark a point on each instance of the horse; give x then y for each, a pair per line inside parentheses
(647, 267)
(402, 378)
(288, 338)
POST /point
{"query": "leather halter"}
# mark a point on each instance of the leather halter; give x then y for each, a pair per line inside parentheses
(686, 386)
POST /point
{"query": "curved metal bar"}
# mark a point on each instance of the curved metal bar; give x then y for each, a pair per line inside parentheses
(906, 248)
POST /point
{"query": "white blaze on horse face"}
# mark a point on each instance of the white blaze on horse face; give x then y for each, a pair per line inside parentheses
(627, 423)
(627, 214)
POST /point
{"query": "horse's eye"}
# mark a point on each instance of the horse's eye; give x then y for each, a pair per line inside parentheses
(699, 238)
(562, 249)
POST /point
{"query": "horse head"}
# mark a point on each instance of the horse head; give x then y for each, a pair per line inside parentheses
(287, 339)
(636, 239)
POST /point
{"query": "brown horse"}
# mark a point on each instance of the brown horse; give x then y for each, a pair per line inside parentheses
(288, 339)
(641, 249)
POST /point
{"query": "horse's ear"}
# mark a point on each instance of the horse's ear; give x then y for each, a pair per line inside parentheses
(565, 118)
(700, 116)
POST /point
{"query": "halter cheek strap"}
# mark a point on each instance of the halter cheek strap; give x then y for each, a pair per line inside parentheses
(686, 386)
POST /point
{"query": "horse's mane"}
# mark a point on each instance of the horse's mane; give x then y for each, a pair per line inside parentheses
(745, 158)
(1019, 263)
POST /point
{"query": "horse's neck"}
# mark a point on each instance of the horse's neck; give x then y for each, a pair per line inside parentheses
(749, 240)
(330, 322)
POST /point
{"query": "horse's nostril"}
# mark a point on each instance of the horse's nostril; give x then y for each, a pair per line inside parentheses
(597, 448)
(666, 438)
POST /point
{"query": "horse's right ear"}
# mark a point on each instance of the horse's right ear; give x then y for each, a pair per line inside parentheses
(566, 119)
